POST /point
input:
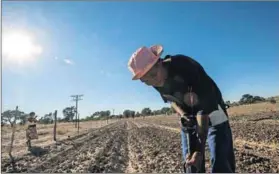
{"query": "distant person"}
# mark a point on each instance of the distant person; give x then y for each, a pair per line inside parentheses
(31, 131)
(183, 82)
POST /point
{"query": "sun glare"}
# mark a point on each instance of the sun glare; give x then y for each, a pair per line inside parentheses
(19, 47)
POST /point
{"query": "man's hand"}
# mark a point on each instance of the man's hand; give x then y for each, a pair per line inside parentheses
(187, 122)
(194, 160)
(179, 112)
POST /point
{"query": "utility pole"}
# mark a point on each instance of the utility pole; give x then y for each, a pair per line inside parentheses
(76, 98)
(113, 116)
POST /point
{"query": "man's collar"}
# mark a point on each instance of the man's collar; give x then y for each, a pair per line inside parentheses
(167, 58)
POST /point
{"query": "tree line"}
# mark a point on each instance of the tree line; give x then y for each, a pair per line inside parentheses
(69, 115)
(69, 112)
(21, 117)
(250, 99)
(102, 115)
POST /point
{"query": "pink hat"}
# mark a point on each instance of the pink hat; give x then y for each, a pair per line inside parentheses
(143, 60)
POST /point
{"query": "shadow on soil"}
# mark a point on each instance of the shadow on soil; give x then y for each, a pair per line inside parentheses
(38, 151)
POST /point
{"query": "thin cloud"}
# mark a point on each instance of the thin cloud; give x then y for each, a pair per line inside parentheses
(68, 61)
(106, 73)
(56, 58)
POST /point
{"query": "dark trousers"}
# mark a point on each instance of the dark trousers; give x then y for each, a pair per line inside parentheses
(220, 144)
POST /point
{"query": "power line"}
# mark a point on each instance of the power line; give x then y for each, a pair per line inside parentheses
(76, 98)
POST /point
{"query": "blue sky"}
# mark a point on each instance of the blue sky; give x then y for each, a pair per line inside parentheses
(85, 47)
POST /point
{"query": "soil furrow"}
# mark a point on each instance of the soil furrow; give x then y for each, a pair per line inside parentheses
(131, 159)
(70, 160)
(150, 145)
(246, 160)
(113, 158)
(155, 150)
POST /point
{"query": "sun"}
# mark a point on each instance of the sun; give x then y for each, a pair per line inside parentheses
(19, 47)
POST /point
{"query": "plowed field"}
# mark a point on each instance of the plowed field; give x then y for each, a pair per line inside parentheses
(150, 145)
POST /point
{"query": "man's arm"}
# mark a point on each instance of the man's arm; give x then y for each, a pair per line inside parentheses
(202, 125)
(177, 108)
(209, 104)
(202, 129)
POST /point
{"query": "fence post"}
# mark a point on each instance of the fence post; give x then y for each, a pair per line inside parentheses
(54, 128)
(12, 139)
(78, 123)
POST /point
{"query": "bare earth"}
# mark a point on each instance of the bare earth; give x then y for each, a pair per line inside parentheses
(145, 145)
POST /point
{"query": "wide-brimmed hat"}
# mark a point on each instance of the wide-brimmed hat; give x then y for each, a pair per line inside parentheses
(143, 59)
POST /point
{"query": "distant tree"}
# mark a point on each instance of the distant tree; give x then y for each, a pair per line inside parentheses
(146, 111)
(101, 113)
(228, 104)
(23, 118)
(165, 110)
(156, 112)
(46, 119)
(128, 113)
(59, 119)
(132, 113)
(235, 104)
(258, 99)
(107, 113)
(121, 116)
(69, 113)
(249, 99)
(246, 98)
(96, 113)
(9, 116)
(87, 118)
(272, 100)
(137, 114)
